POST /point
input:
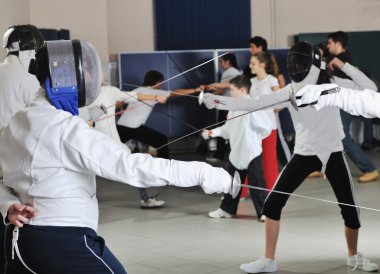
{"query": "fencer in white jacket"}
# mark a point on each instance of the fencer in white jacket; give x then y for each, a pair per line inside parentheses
(108, 97)
(245, 133)
(318, 147)
(50, 158)
(17, 86)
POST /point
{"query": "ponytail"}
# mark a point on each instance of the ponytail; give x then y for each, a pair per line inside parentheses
(230, 57)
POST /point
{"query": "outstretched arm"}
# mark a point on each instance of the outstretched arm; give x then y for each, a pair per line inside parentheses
(109, 159)
(365, 103)
(277, 99)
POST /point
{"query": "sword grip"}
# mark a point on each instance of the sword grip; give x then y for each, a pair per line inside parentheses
(330, 91)
(325, 92)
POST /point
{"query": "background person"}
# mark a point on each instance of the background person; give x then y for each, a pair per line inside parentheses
(17, 86)
(106, 123)
(337, 47)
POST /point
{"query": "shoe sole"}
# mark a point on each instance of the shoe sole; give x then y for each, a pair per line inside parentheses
(151, 207)
(371, 271)
(369, 181)
(221, 217)
(261, 271)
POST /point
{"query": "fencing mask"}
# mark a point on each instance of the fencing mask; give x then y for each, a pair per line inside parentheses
(23, 39)
(70, 71)
(304, 64)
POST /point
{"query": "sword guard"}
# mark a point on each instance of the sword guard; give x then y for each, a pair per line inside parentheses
(292, 98)
(200, 97)
(236, 185)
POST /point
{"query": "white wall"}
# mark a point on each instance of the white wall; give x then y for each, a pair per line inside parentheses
(130, 26)
(86, 19)
(280, 20)
(12, 12)
(127, 25)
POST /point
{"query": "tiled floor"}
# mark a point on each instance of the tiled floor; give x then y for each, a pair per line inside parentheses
(181, 239)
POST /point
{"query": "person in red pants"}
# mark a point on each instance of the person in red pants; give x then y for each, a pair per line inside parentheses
(262, 64)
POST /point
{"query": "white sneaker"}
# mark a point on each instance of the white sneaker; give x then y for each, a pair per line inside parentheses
(151, 203)
(219, 213)
(262, 218)
(358, 261)
(262, 265)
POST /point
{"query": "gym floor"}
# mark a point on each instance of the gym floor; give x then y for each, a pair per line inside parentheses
(180, 238)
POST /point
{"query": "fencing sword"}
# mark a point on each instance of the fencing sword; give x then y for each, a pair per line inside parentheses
(186, 71)
(305, 197)
(292, 99)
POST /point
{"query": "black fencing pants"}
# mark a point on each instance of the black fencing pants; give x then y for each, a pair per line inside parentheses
(295, 172)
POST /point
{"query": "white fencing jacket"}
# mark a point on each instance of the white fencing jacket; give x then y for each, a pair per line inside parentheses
(49, 159)
(137, 112)
(108, 97)
(245, 134)
(17, 88)
(357, 102)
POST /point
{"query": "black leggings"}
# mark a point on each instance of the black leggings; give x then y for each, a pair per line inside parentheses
(295, 172)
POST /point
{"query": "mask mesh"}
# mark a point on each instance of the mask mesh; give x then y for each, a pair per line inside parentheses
(63, 71)
(61, 64)
(92, 71)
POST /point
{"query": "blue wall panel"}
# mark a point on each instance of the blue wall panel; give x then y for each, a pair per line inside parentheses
(133, 66)
(202, 24)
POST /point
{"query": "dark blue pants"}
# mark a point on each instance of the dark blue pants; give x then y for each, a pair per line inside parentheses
(60, 250)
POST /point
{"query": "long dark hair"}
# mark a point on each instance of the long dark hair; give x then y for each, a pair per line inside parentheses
(230, 57)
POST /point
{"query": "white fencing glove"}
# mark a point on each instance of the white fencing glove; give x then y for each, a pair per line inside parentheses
(211, 179)
(206, 134)
(218, 180)
(309, 95)
(96, 112)
(214, 101)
